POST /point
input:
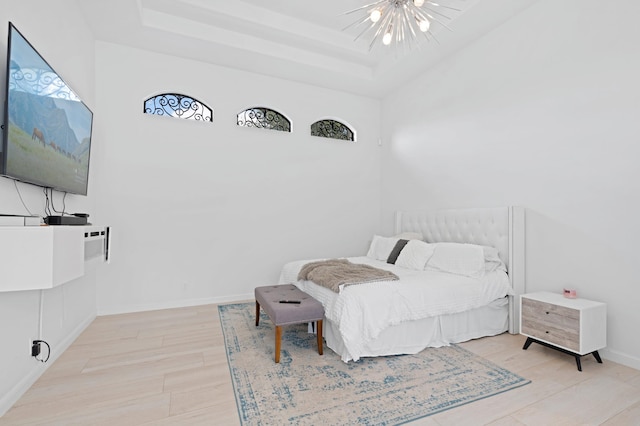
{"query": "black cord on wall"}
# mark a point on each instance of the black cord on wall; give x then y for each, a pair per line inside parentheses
(15, 183)
(50, 208)
(48, 350)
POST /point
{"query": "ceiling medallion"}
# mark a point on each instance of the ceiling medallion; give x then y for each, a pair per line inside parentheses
(397, 22)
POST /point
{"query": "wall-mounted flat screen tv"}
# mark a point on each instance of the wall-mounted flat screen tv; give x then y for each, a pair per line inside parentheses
(47, 127)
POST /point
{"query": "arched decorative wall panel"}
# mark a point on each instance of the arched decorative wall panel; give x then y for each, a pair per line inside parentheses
(333, 129)
(264, 118)
(178, 106)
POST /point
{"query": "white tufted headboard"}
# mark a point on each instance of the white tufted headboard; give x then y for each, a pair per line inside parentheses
(501, 227)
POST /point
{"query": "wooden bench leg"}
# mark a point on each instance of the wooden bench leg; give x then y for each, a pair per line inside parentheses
(278, 339)
(319, 333)
(257, 313)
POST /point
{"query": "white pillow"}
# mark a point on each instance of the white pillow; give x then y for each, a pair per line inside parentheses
(492, 261)
(455, 258)
(381, 247)
(415, 255)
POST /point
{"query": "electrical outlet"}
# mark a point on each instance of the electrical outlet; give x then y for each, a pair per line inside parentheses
(35, 348)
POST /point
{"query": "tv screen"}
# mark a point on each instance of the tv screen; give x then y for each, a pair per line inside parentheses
(47, 131)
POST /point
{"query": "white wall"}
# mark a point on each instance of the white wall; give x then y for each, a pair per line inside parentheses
(205, 212)
(61, 36)
(544, 113)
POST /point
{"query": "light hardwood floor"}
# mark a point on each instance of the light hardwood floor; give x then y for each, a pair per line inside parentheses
(169, 367)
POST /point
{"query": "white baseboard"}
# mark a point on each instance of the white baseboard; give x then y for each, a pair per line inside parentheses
(11, 397)
(174, 304)
(620, 358)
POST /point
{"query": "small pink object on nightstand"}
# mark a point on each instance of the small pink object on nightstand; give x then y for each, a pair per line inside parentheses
(569, 293)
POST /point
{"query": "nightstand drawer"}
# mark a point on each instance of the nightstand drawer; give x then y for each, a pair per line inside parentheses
(554, 315)
(561, 337)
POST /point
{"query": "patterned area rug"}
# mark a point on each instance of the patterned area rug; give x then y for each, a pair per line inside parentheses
(308, 389)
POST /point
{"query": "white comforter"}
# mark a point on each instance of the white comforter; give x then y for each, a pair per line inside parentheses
(363, 311)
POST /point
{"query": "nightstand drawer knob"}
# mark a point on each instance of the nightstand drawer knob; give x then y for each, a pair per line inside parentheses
(547, 312)
(547, 332)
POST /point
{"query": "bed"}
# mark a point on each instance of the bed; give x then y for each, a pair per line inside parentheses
(450, 298)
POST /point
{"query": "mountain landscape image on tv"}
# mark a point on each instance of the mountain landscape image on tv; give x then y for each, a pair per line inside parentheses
(47, 138)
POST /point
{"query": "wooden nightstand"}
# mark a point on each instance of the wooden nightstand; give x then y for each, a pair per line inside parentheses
(574, 326)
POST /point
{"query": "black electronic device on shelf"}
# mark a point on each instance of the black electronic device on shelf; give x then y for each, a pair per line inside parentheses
(66, 220)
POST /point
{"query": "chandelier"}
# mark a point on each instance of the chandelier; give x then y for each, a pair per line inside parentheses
(399, 21)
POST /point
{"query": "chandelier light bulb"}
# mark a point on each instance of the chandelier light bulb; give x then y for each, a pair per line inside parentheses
(375, 15)
(424, 25)
(386, 40)
(418, 3)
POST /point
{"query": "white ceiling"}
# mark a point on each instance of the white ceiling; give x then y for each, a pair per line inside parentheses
(300, 40)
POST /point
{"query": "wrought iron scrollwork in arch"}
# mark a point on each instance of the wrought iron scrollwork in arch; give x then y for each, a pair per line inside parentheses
(38, 81)
(332, 129)
(264, 118)
(178, 106)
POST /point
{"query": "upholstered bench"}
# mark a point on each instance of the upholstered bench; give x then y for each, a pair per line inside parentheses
(273, 301)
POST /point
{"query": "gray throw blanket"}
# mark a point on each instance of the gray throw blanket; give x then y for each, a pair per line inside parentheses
(333, 273)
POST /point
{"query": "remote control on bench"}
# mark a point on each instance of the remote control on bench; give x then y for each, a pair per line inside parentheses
(290, 301)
